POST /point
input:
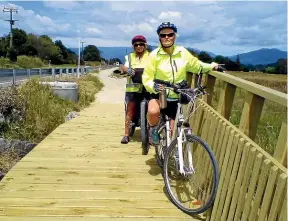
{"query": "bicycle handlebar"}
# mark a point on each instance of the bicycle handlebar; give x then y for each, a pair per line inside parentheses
(178, 89)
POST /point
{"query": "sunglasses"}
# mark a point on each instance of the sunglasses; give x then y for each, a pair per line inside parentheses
(140, 44)
(169, 35)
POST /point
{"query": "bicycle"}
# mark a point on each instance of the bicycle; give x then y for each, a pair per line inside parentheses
(173, 148)
(139, 119)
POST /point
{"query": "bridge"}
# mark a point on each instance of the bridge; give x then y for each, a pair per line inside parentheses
(82, 172)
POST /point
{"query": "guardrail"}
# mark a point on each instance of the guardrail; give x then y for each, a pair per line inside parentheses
(9, 77)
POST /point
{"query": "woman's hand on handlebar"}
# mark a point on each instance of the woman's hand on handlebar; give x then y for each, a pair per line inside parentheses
(158, 87)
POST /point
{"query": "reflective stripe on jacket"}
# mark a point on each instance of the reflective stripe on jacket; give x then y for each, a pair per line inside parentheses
(172, 68)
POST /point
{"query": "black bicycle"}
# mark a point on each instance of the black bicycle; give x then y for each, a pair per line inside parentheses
(140, 119)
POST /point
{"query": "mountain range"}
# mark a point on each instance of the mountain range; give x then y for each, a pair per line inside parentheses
(262, 56)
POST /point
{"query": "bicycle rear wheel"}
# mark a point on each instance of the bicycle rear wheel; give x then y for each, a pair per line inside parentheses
(144, 127)
(194, 192)
(160, 149)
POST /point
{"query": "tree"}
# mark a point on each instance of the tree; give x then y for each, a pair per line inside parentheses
(281, 66)
(205, 57)
(19, 40)
(62, 48)
(238, 62)
(91, 53)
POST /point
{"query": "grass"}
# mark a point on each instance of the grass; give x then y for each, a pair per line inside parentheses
(45, 111)
(272, 113)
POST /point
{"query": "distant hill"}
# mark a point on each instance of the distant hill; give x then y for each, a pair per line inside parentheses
(261, 56)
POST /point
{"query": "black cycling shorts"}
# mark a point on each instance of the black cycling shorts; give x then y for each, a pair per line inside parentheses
(171, 109)
(133, 97)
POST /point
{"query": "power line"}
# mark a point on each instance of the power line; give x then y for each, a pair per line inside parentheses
(11, 21)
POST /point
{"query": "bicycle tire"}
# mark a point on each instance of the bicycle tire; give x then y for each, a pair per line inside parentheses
(144, 128)
(159, 158)
(215, 178)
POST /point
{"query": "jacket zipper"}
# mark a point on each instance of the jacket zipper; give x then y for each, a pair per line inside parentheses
(172, 73)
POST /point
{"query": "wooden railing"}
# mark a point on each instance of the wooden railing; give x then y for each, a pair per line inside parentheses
(252, 182)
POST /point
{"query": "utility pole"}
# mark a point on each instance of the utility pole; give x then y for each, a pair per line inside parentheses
(82, 42)
(12, 22)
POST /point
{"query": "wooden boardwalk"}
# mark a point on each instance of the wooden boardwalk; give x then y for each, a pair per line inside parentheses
(82, 172)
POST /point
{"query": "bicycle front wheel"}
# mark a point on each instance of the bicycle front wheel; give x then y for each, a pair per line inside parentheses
(193, 191)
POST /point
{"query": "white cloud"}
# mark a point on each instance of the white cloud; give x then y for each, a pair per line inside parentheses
(169, 15)
(61, 4)
(93, 30)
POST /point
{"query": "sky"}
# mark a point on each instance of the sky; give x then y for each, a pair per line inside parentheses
(220, 27)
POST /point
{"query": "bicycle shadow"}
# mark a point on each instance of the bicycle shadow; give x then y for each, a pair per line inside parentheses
(136, 137)
(154, 170)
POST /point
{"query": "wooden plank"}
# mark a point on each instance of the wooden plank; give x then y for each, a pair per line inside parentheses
(261, 185)
(252, 185)
(245, 183)
(235, 165)
(280, 153)
(226, 99)
(267, 199)
(278, 197)
(237, 184)
(251, 114)
(270, 94)
(89, 218)
(222, 167)
(226, 169)
(96, 212)
(283, 213)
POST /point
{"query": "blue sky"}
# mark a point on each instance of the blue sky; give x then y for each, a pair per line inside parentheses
(221, 27)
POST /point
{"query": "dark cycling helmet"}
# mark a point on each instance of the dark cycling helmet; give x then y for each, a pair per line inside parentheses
(139, 38)
(166, 25)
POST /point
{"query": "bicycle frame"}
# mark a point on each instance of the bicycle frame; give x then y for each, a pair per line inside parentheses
(179, 133)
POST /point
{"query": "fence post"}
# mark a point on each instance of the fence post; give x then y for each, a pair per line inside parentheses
(67, 72)
(53, 74)
(28, 73)
(40, 73)
(60, 72)
(14, 77)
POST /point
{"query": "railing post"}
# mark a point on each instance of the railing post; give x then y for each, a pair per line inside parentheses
(60, 72)
(67, 72)
(251, 114)
(280, 153)
(14, 77)
(28, 73)
(226, 99)
(209, 83)
(53, 74)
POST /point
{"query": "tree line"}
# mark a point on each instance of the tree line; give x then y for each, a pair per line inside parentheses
(44, 48)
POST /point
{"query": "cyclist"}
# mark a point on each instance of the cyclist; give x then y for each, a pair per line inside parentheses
(171, 63)
(134, 89)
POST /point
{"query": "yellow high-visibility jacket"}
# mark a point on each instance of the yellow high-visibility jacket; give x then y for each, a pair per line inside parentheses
(135, 63)
(172, 68)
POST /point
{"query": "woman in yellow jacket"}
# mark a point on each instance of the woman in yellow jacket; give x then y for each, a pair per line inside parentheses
(171, 63)
(136, 60)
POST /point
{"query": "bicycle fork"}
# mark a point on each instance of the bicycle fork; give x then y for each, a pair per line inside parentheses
(180, 140)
